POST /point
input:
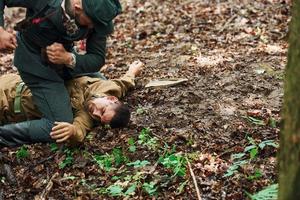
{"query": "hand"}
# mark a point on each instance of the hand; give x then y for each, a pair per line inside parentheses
(62, 131)
(7, 40)
(135, 68)
(57, 54)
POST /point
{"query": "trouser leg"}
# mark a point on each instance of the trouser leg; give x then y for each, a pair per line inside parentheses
(52, 100)
(28, 132)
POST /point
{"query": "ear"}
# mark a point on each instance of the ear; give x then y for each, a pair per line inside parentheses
(78, 7)
(113, 98)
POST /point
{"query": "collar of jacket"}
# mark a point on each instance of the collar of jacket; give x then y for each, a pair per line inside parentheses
(64, 10)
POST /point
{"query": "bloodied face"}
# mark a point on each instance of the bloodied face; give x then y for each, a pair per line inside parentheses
(103, 108)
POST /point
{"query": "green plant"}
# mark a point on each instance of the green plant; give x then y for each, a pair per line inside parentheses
(140, 110)
(68, 159)
(176, 162)
(115, 190)
(269, 193)
(132, 147)
(2, 179)
(256, 121)
(181, 187)
(53, 147)
(253, 150)
(147, 140)
(107, 161)
(118, 156)
(22, 153)
(257, 174)
(234, 167)
(138, 163)
(150, 188)
(104, 161)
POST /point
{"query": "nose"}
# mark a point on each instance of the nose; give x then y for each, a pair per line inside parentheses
(97, 113)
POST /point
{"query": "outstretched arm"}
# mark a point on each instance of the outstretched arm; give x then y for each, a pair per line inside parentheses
(126, 82)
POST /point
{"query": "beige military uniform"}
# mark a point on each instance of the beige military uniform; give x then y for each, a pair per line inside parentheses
(80, 90)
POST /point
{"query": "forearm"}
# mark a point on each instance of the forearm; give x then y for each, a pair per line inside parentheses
(94, 58)
(124, 84)
(88, 63)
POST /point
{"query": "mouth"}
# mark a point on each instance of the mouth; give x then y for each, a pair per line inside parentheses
(90, 109)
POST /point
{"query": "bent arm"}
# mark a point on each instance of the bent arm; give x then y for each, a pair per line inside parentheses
(83, 123)
(94, 58)
(124, 84)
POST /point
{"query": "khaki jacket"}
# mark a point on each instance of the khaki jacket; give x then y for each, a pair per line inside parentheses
(80, 90)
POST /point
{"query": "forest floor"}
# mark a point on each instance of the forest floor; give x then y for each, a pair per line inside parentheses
(224, 120)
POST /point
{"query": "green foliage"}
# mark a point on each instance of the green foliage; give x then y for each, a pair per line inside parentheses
(104, 161)
(257, 174)
(256, 121)
(175, 162)
(132, 147)
(118, 156)
(68, 159)
(22, 153)
(253, 150)
(2, 179)
(138, 163)
(150, 188)
(234, 167)
(268, 143)
(269, 193)
(140, 110)
(130, 180)
(131, 190)
(115, 190)
(53, 147)
(107, 161)
(147, 140)
(181, 187)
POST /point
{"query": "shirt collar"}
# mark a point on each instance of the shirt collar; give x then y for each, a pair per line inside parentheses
(64, 9)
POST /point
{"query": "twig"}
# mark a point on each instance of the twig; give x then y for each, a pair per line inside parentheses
(227, 23)
(60, 150)
(194, 179)
(9, 174)
(1, 194)
(43, 195)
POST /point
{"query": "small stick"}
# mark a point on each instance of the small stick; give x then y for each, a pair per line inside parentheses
(194, 179)
(1, 194)
(227, 23)
(43, 195)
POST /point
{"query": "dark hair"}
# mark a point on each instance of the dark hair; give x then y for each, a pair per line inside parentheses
(122, 116)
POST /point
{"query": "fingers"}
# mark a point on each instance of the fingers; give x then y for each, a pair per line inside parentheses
(61, 131)
(11, 46)
(60, 136)
(59, 125)
(62, 140)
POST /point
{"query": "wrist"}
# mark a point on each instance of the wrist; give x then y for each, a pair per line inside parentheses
(71, 60)
(68, 58)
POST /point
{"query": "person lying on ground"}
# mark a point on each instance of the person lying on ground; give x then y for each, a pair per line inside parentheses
(92, 100)
(45, 58)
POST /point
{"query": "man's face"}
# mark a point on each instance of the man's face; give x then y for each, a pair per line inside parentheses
(103, 108)
(80, 15)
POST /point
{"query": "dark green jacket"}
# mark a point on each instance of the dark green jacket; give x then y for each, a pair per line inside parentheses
(52, 30)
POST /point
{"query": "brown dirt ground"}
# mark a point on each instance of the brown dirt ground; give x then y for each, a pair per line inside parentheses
(233, 54)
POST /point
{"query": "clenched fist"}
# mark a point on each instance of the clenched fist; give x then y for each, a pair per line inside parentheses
(57, 54)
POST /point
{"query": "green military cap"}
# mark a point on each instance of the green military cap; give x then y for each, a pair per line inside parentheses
(102, 12)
